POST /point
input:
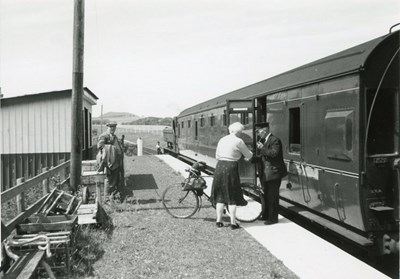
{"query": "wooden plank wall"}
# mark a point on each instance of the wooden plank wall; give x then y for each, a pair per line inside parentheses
(35, 132)
(40, 126)
(14, 166)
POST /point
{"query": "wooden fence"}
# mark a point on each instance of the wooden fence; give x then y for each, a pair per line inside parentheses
(18, 192)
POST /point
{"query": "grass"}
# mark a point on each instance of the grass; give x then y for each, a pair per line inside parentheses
(145, 242)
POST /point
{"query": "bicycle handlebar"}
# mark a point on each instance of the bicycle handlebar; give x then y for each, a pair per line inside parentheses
(192, 171)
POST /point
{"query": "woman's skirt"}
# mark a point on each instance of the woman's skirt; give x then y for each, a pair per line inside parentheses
(226, 184)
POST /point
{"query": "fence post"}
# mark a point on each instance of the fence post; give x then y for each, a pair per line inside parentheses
(45, 183)
(20, 197)
(62, 173)
(139, 147)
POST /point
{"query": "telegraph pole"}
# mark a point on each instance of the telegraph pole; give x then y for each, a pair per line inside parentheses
(77, 95)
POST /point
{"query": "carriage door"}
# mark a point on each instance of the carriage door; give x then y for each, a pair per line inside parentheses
(242, 111)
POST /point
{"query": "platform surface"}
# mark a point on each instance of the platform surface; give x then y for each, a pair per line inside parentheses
(304, 253)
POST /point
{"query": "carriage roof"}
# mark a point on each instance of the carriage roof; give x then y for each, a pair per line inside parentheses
(344, 62)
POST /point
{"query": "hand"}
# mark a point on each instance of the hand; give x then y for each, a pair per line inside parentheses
(254, 159)
(259, 145)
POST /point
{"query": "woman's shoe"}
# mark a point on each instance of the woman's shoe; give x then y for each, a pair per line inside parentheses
(235, 226)
(219, 224)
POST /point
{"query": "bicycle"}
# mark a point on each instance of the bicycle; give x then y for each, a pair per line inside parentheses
(184, 199)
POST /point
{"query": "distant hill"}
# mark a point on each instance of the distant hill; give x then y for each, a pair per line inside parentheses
(167, 121)
(119, 117)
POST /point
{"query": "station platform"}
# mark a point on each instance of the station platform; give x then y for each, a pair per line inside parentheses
(304, 253)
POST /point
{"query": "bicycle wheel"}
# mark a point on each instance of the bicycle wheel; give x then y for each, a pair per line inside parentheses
(178, 203)
(255, 205)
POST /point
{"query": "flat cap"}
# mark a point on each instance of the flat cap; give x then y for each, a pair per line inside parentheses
(112, 124)
(262, 125)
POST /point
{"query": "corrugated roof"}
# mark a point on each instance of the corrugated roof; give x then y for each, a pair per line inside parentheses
(342, 62)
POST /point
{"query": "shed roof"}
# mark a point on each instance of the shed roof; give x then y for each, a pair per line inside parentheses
(340, 63)
(36, 96)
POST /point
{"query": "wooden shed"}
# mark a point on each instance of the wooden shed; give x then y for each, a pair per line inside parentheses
(35, 132)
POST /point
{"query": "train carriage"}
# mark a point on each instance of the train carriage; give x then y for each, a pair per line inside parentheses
(338, 119)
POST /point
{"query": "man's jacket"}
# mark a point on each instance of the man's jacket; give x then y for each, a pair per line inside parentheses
(272, 159)
(110, 154)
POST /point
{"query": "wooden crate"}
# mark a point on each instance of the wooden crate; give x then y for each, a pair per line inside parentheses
(61, 246)
(92, 177)
(39, 223)
(89, 165)
(92, 214)
(92, 185)
(59, 202)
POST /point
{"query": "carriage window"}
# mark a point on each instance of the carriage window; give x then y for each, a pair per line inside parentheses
(196, 130)
(245, 118)
(202, 121)
(294, 130)
(212, 120)
(182, 124)
(242, 117)
(224, 118)
(188, 123)
(339, 134)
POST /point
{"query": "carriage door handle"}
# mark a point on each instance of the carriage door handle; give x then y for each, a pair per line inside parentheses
(339, 202)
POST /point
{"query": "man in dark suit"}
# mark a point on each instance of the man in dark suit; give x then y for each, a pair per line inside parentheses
(272, 172)
(111, 149)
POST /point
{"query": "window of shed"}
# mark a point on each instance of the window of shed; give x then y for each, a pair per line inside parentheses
(183, 124)
(339, 134)
(189, 123)
(202, 121)
(294, 130)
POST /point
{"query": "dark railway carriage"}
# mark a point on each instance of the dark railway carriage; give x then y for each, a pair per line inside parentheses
(338, 119)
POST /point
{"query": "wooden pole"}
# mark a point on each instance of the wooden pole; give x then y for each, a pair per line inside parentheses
(77, 95)
(45, 183)
(20, 197)
(101, 123)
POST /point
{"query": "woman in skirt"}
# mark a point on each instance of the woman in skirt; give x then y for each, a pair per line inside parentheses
(226, 184)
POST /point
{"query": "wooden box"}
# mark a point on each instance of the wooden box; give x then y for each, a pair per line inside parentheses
(90, 165)
(39, 223)
(59, 203)
(92, 177)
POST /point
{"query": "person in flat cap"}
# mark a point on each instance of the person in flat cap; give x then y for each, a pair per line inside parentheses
(273, 169)
(112, 124)
(111, 158)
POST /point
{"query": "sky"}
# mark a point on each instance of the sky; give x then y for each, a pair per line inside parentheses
(159, 57)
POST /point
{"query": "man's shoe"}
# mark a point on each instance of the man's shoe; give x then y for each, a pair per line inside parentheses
(269, 222)
(235, 226)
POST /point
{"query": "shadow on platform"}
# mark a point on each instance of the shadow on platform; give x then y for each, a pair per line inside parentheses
(141, 182)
